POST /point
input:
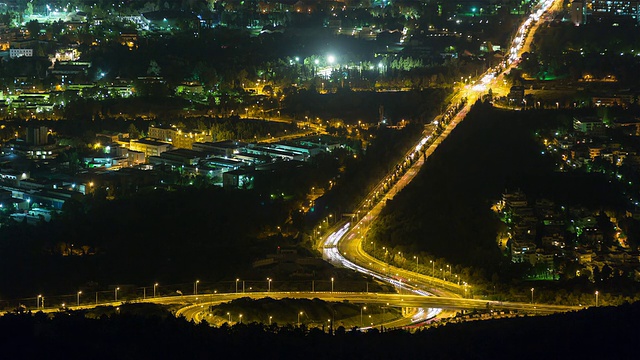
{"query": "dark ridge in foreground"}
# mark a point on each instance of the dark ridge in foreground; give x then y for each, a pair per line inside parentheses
(606, 333)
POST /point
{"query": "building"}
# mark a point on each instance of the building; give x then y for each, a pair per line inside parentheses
(275, 153)
(149, 147)
(588, 125)
(185, 140)
(522, 251)
(238, 179)
(178, 138)
(614, 8)
(16, 53)
(516, 94)
(38, 135)
(578, 13)
(178, 157)
(162, 133)
(225, 148)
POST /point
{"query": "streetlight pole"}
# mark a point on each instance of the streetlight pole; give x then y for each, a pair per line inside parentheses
(38, 301)
(116, 293)
(417, 260)
(269, 281)
(237, 285)
(300, 313)
(433, 268)
(361, 322)
(270, 317)
(532, 295)
(332, 285)
(229, 315)
(597, 298)
(78, 298)
(240, 318)
(155, 286)
(195, 287)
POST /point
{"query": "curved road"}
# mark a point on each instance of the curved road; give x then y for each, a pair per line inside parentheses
(344, 247)
(198, 305)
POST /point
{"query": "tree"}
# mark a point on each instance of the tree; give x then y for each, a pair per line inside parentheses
(134, 133)
(153, 69)
(33, 27)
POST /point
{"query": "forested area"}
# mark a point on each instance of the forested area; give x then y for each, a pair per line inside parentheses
(446, 211)
(561, 50)
(169, 235)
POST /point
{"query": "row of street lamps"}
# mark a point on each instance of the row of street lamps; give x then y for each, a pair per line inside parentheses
(597, 294)
(40, 297)
(432, 262)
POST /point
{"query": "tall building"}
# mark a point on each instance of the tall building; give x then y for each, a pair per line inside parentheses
(608, 8)
(37, 135)
(578, 13)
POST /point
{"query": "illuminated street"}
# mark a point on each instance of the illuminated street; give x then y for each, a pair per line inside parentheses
(344, 247)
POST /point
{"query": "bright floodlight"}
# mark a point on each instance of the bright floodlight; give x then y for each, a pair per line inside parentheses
(331, 59)
(316, 61)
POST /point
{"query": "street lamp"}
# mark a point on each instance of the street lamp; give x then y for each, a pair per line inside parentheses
(269, 281)
(229, 315)
(195, 287)
(597, 298)
(270, 317)
(361, 322)
(155, 286)
(433, 268)
(417, 260)
(78, 298)
(38, 301)
(240, 318)
(237, 285)
(532, 295)
(300, 313)
(116, 293)
(331, 284)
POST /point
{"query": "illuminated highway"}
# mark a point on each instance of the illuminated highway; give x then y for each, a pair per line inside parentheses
(422, 307)
(344, 247)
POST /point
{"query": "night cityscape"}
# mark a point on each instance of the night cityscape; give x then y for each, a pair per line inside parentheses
(285, 179)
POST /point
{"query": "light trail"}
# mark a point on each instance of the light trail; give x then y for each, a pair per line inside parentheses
(331, 251)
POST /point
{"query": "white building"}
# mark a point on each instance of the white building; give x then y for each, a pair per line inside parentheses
(16, 53)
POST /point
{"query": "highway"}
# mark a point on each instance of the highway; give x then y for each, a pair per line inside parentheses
(427, 296)
(344, 247)
(422, 307)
